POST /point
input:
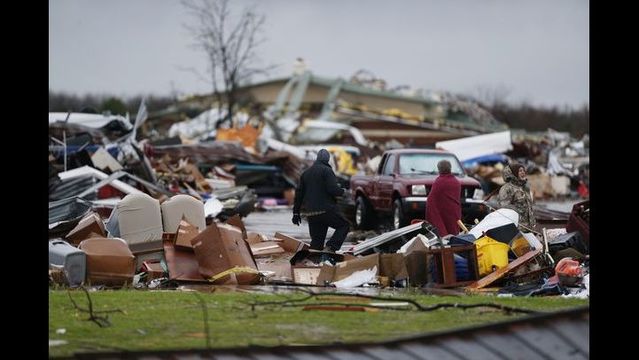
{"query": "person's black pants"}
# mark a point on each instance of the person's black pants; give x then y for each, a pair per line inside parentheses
(318, 226)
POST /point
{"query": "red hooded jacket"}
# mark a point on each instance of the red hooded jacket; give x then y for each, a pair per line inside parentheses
(443, 207)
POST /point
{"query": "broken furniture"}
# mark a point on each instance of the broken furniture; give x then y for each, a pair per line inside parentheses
(182, 207)
(89, 226)
(579, 220)
(109, 261)
(70, 260)
(136, 219)
(500, 273)
(153, 269)
(445, 272)
(185, 232)
(180, 260)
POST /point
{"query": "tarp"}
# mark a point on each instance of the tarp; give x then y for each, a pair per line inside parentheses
(485, 159)
(476, 146)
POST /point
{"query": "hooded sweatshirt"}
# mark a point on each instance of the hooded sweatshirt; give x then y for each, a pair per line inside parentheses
(514, 196)
(317, 188)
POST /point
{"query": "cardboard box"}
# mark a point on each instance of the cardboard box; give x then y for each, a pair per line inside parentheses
(254, 238)
(181, 261)
(185, 233)
(147, 251)
(393, 266)
(342, 270)
(109, 261)
(266, 248)
(153, 269)
(279, 264)
(91, 226)
(236, 220)
(291, 244)
(220, 248)
(306, 275)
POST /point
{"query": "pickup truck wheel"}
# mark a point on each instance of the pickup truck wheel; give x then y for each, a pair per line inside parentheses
(399, 220)
(363, 214)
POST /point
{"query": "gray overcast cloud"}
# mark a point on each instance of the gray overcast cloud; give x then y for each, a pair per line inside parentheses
(538, 50)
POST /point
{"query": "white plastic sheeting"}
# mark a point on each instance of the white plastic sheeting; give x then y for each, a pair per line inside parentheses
(203, 125)
(212, 207)
(358, 278)
(476, 146)
(420, 237)
(495, 219)
(321, 131)
(91, 120)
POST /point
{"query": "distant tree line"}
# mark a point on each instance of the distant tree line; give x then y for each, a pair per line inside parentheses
(536, 118)
(523, 115)
(100, 103)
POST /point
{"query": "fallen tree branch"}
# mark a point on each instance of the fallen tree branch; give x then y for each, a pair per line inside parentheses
(102, 321)
(418, 306)
(347, 305)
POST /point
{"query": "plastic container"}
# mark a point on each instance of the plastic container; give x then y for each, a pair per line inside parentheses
(520, 246)
(462, 273)
(491, 255)
(504, 233)
(71, 260)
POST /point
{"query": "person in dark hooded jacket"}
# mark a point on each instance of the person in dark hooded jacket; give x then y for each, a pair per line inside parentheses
(315, 199)
(513, 195)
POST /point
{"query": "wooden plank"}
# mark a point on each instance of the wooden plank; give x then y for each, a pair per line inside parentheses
(508, 346)
(428, 352)
(499, 273)
(266, 248)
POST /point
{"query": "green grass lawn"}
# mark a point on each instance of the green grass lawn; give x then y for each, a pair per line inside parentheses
(155, 320)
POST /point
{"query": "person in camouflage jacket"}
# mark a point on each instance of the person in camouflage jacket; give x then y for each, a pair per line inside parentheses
(513, 195)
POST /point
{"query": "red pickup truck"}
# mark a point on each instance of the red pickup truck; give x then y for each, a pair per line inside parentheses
(401, 185)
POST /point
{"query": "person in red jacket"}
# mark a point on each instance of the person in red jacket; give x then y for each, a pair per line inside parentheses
(443, 207)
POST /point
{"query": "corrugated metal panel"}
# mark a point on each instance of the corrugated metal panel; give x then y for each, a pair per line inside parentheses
(71, 187)
(560, 335)
(67, 209)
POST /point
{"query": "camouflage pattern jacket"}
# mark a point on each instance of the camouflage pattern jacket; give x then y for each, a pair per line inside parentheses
(514, 196)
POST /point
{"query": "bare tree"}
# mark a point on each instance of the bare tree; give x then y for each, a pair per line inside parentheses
(230, 47)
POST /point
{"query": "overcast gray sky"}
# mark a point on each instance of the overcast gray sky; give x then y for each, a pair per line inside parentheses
(537, 49)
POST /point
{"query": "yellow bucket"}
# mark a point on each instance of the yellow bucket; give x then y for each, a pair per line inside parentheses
(520, 245)
(491, 255)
